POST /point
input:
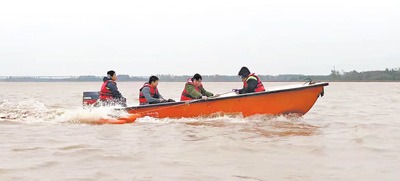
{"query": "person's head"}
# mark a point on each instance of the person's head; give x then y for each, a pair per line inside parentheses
(244, 72)
(153, 81)
(112, 75)
(197, 79)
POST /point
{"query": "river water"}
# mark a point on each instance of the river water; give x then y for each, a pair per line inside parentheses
(352, 133)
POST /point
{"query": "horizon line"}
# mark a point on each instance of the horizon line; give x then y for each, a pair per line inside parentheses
(396, 69)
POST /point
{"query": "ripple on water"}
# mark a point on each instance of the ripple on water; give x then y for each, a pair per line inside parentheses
(242, 177)
(26, 149)
(71, 147)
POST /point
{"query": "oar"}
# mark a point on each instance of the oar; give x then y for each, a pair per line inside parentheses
(198, 100)
(226, 93)
(222, 94)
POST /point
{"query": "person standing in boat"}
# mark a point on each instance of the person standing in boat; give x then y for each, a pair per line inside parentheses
(149, 93)
(109, 94)
(195, 90)
(251, 82)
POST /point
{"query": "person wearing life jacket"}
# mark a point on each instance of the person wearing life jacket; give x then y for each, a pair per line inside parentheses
(149, 93)
(251, 82)
(109, 94)
(195, 90)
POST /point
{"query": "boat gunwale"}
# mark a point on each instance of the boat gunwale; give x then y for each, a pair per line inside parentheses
(322, 84)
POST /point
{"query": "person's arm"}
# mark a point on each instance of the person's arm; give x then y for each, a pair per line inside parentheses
(204, 92)
(251, 86)
(146, 93)
(191, 89)
(160, 96)
(114, 90)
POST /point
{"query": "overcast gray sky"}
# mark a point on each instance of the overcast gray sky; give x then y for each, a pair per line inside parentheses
(89, 37)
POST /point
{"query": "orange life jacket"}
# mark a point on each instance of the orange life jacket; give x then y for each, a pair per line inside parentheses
(153, 93)
(260, 86)
(104, 92)
(185, 95)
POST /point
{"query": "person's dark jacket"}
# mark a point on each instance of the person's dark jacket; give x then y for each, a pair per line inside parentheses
(252, 81)
(251, 86)
(113, 88)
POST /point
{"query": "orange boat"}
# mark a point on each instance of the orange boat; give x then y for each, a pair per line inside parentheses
(284, 100)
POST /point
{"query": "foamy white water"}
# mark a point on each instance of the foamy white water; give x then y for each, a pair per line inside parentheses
(351, 133)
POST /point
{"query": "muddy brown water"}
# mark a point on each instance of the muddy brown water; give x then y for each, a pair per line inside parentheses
(352, 133)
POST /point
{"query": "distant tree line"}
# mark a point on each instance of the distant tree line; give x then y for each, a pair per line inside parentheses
(386, 75)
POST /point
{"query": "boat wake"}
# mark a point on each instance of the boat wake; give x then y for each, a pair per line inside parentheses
(34, 112)
(260, 125)
(31, 112)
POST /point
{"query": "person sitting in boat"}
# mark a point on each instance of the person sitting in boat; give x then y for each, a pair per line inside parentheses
(149, 93)
(251, 82)
(109, 94)
(195, 90)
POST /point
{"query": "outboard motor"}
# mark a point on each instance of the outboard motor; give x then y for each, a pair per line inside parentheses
(90, 98)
